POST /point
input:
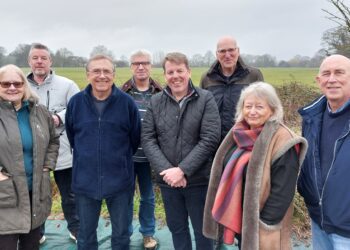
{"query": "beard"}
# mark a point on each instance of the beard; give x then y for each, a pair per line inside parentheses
(40, 72)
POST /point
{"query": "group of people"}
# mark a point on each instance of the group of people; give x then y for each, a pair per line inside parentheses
(220, 153)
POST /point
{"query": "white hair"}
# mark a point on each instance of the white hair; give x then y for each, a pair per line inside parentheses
(266, 92)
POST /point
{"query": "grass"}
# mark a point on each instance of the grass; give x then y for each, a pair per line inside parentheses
(275, 76)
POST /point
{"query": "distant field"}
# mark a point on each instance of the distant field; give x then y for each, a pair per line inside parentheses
(275, 76)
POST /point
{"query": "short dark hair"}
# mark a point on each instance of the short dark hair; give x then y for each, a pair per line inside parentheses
(177, 58)
(39, 46)
(99, 57)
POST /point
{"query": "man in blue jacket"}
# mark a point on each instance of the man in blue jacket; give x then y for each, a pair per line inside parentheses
(324, 178)
(103, 128)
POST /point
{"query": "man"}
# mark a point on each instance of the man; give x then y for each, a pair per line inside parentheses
(141, 87)
(181, 131)
(103, 128)
(54, 92)
(226, 78)
(324, 177)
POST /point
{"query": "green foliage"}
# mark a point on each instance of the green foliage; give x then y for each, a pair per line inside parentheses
(301, 221)
(293, 96)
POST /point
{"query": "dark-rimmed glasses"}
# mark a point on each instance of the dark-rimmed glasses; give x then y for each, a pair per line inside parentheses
(137, 64)
(7, 84)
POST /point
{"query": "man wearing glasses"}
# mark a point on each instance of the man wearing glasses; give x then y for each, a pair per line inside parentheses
(103, 127)
(54, 92)
(226, 78)
(141, 87)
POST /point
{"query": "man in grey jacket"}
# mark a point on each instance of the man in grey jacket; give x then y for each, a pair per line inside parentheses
(54, 92)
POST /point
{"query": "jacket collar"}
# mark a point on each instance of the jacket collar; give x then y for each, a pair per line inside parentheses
(130, 84)
(241, 67)
(191, 91)
(30, 103)
(315, 107)
(114, 94)
(48, 79)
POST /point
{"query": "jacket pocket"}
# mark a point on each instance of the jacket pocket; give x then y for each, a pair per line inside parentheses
(8, 194)
(45, 187)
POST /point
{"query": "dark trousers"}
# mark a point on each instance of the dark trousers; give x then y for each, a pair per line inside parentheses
(89, 214)
(63, 179)
(179, 204)
(29, 241)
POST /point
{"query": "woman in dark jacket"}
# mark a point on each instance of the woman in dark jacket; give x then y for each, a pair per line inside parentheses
(253, 177)
(29, 148)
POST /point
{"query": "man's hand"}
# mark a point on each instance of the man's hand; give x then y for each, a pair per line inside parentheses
(46, 169)
(56, 120)
(174, 177)
(182, 183)
(3, 177)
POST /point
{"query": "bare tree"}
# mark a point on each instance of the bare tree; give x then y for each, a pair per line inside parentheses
(342, 16)
(158, 58)
(20, 55)
(2, 56)
(208, 58)
(101, 49)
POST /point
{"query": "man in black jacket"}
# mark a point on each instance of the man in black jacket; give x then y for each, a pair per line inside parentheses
(180, 134)
(226, 78)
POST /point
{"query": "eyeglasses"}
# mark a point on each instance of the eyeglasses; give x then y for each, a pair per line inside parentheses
(99, 72)
(229, 50)
(137, 64)
(6, 85)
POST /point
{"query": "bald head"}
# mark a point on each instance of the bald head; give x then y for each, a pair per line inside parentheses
(334, 80)
(340, 60)
(226, 40)
(227, 53)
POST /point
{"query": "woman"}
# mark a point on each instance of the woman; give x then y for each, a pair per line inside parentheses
(254, 174)
(29, 148)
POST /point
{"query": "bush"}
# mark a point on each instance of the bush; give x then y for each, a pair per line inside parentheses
(294, 96)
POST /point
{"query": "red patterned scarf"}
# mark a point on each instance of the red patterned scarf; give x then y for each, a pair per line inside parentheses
(227, 209)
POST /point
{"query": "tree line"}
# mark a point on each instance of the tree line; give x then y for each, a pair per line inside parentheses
(63, 57)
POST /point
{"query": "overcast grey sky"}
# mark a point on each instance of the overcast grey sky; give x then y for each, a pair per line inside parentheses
(282, 28)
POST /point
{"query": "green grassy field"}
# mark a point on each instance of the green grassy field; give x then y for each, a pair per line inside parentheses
(275, 76)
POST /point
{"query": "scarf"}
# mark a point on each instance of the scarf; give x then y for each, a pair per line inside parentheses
(227, 208)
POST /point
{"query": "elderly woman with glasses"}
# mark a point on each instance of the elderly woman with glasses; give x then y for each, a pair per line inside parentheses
(253, 177)
(29, 149)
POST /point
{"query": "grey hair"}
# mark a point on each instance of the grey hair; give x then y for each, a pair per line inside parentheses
(99, 57)
(28, 93)
(39, 46)
(141, 52)
(266, 92)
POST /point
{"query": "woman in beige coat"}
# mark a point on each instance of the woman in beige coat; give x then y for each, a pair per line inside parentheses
(29, 148)
(253, 177)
